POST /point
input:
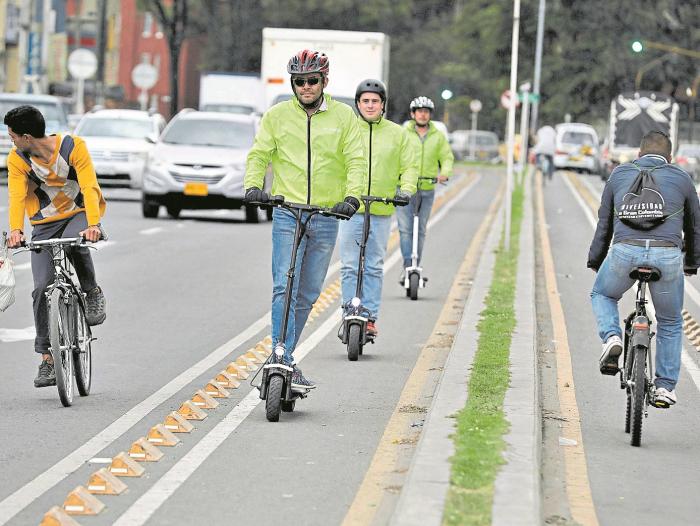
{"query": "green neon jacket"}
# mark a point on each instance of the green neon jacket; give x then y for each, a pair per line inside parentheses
(317, 160)
(433, 154)
(392, 162)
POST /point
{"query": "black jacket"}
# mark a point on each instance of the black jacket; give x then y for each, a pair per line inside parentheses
(678, 192)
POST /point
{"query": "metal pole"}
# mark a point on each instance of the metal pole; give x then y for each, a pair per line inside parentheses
(101, 46)
(472, 138)
(524, 114)
(538, 64)
(511, 116)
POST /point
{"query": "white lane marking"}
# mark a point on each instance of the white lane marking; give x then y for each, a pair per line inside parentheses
(141, 510)
(100, 460)
(17, 335)
(692, 292)
(25, 495)
(151, 231)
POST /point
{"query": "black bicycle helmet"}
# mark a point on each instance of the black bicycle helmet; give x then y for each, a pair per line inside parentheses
(371, 86)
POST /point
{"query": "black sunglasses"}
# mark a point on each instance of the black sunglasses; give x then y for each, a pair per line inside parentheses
(311, 81)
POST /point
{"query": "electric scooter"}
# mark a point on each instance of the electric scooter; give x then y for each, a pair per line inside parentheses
(413, 275)
(276, 382)
(353, 331)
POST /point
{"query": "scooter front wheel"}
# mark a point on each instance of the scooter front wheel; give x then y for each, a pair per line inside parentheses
(354, 342)
(273, 401)
(413, 283)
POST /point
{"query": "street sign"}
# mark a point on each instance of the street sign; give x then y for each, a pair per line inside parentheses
(505, 99)
(531, 97)
(475, 106)
(144, 76)
(82, 63)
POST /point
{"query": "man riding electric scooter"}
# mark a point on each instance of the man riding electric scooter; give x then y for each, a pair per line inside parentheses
(315, 148)
(363, 239)
(435, 160)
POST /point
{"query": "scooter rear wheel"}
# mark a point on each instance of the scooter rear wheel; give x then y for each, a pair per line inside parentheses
(354, 342)
(413, 283)
(273, 401)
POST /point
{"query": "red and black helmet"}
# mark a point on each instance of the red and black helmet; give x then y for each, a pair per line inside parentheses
(307, 61)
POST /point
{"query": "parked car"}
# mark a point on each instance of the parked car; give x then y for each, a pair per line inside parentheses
(577, 147)
(119, 142)
(199, 163)
(485, 145)
(688, 158)
(50, 107)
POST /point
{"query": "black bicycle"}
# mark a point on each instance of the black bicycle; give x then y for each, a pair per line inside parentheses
(636, 375)
(70, 336)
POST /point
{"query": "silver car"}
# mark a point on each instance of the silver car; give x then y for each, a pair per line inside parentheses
(199, 163)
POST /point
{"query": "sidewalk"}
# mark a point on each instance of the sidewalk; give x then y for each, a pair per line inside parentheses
(517, 489)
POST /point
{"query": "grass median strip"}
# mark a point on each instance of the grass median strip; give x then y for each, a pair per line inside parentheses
(481, 424)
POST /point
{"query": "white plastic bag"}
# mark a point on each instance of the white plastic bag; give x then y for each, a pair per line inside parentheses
(7, 278)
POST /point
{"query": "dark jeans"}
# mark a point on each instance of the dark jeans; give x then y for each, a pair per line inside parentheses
(43, 271)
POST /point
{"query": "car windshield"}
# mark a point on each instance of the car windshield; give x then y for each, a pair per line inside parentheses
(210, 132)
(53, 115)
(572, 137)
(689, 150)
(123, 128)
(229, 108)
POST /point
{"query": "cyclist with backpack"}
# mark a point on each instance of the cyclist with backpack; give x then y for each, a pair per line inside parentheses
(649, 211)
(52, 180)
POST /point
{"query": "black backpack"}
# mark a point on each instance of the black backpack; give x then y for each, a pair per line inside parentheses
(643, 207)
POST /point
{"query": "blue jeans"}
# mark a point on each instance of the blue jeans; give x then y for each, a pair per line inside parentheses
(350, 237)
(313, 258)
(613, 281)
(404, 215)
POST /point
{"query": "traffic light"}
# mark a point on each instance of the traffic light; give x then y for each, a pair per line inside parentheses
(637, 46)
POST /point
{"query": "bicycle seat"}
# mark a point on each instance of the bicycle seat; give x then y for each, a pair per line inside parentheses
(646, 274)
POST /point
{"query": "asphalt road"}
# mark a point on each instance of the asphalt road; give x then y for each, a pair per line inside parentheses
(657, 483)
(181, 292)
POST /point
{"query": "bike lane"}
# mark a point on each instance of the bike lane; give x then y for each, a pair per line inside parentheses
(657, 482)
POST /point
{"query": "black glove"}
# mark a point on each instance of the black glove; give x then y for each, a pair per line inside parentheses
(347, 208)
(401, 198)
(255, 195)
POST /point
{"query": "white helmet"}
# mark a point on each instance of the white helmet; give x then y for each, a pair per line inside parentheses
(422, 102)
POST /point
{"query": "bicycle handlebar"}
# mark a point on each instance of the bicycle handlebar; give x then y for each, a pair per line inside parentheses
(278, 200)
(374, 199)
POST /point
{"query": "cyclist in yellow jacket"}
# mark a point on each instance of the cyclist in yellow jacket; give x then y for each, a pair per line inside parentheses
(392, 173)
(52, 180)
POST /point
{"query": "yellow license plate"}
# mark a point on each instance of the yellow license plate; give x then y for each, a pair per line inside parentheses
(575, 158)
(196, 189)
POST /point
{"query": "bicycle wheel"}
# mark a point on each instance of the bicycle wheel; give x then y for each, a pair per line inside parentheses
(639, 389)
(354, 342)
(82, 351)
(60, 338)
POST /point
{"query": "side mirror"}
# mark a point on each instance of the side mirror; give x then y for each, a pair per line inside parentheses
(151, 138)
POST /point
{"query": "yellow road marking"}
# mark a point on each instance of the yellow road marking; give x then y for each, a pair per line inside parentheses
(389, 464)
(578, 487)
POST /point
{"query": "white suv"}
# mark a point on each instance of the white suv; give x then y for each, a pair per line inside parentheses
(119, 142)
(199, 163)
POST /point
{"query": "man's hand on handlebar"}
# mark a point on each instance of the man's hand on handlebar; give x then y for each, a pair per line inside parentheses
(15, 239)
(346, 208)
(255, 195)
(441, 179)
(401, 198)
(92, 234)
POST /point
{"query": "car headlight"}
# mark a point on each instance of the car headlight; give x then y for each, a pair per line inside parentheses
(155, 162)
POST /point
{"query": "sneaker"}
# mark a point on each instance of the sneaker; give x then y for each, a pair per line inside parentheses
(612, 349)
(46, 376)
(402, 278)
(663, 398)
(371, 329)
(96, 307)
(299, 382)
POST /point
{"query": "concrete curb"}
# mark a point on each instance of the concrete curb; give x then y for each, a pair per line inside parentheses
(517, 493)
(423, 496)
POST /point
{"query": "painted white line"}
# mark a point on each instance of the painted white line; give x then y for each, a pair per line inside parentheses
(25, 495)
(151, 231)
(100, 460)
(141, 510)
(692, 292)
(17, 335)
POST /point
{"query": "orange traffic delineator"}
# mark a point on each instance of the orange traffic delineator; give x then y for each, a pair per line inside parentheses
(254, 356)
(102, 482)
(177, 423)
(267, 340)
(123, 466)
(143, 451)
(246, 363)
(226, 380)
(203, 400)
(263, 349)
(238, 372)
(81, 502)
(191, 412)
(214, 390)
(56, 516)
(161, 436)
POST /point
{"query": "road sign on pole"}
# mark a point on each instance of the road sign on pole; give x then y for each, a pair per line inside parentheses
(475, 107)
(82, 64)
(144, 76)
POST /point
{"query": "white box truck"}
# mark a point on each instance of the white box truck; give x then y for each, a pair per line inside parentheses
(353, 55)
(231, 92)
